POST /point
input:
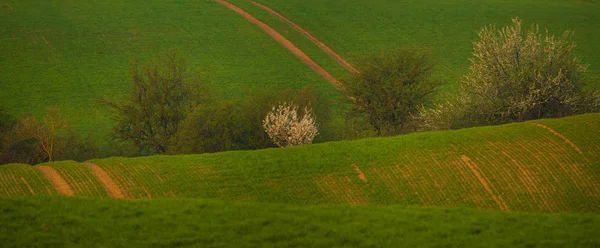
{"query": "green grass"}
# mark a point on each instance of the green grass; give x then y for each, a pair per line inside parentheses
(515, 167)
(80, 222)
(66, 54)
(527, 168)
(90, 46)
(79, 177)
(354, 28)
(23, 179)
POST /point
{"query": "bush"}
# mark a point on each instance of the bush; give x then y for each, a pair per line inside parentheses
(517, 78)
(219, 126)
(162, 96)
(390, 87)
(223, 125)
(286, 127)
(71, 146)
(44, 133)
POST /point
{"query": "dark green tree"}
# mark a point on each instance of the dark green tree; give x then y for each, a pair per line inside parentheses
(390, 88)
(162, 95)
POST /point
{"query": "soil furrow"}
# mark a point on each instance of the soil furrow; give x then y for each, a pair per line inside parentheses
(109, 184)
(57, 180)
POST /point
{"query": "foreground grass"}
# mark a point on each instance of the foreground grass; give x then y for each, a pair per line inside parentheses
(80, 222)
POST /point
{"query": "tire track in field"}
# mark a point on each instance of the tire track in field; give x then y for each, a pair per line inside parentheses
(484, 182)
(109, 184)
(56, 179)
(560, 136)
(317, 42)
(284, 42)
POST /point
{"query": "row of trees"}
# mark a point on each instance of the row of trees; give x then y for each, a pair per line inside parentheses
(170, 111)
(513, 77)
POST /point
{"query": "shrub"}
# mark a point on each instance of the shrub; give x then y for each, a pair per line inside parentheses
(162, 96)
(287, 128)
(516, 78)
(390, 87)
(219, 126)
(43, 133)
(71, 146)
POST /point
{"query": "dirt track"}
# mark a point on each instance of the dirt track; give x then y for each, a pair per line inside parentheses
(285, 42)
(113, 190)
(317, 42)
(59, 183)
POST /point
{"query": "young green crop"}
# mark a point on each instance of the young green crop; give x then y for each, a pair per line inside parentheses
(67, 54)
(536, 166)
(23, 179)
(355, 28)
(78, 222)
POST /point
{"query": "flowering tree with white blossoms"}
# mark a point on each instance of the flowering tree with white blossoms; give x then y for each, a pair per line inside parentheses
(286, 128)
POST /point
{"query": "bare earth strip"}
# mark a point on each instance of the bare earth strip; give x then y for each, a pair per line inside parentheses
(59, 183)
(317, 42)
(484, 182)
(561, 136)
(110, 185)
(361, 175)
(285, 42)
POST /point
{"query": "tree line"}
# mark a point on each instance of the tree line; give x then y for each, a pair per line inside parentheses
(513, 77)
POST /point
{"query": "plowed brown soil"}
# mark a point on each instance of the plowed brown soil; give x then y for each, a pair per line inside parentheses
(317, 42)
(285, 42)
(110, 185)
(361, 175)
(58, 181)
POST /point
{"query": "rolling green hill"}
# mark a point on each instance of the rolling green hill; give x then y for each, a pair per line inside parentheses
(354, 28)
(68, 53)
(548, 165)
(77, 222)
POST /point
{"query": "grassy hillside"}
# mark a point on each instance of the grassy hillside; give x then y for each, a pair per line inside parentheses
(354, 28)
(77, 222)
(537, 166)
(67, 53)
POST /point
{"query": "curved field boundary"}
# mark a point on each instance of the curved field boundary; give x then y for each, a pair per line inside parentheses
(58, 181)
(317, 42)
(110, 185)
(285, 42)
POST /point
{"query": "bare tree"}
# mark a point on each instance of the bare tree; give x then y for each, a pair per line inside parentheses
(45, 132)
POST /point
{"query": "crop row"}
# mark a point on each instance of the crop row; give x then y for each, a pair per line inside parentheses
(21, 179)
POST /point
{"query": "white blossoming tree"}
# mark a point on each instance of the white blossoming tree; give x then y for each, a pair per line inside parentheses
(286, 128)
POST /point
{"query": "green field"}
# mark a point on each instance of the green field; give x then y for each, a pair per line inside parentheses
(354, 28)
(528, 184)
(67, 54)
(78, 222)
(536, 166)
(487, 187)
